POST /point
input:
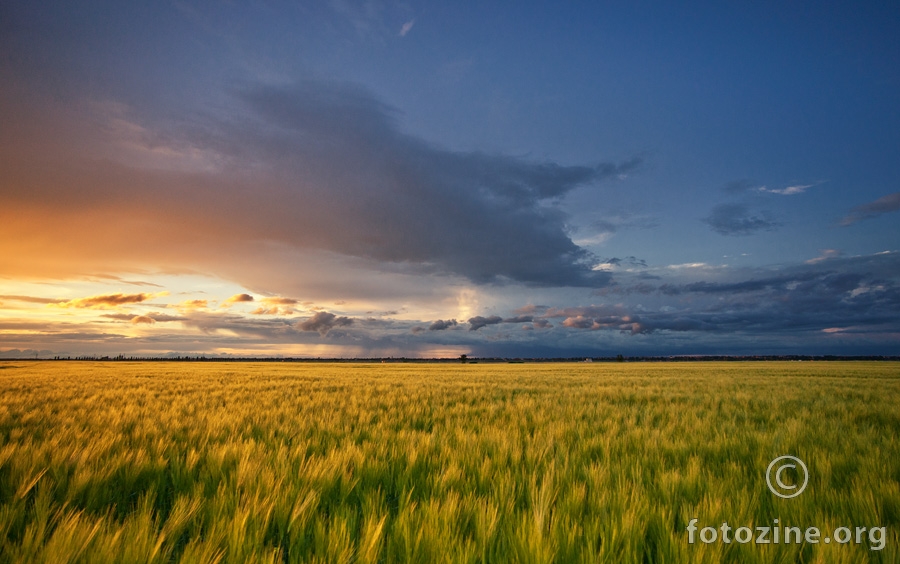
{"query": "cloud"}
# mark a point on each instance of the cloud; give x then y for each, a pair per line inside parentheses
(266, 311)
(441, 325)
(403, 200)
(194, 304)
(108, 300)
(146, 318)
(861, 291)
(580, 322)
(744, 186)
(276, 305)
(477, 322)
(279, 301)
(825, 255)
(885, 204)
(630, 262)
(788, 191)
(320, 168)
(736, 219)
(236, 299)
(785, 308)
(530, 309)
(406, 27)
(31, 299)
(323, 322)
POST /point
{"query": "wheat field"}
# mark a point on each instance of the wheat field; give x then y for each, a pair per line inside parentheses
(364, 463)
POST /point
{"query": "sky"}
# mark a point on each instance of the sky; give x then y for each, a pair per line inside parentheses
(430, 179)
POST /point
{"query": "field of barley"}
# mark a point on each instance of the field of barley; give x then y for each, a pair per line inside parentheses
(362, 463)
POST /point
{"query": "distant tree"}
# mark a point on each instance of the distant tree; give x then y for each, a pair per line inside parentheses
(620, 358)
(463, 358)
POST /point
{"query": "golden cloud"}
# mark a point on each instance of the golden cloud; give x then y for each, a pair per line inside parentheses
(279, 301)
(108, 300)
(265, 311)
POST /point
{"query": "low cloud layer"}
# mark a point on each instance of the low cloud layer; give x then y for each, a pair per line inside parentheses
(861, 291)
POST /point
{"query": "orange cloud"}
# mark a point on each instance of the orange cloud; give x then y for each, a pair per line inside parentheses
(193, 304)
(31, 299)
(279, 301)
(271, 306)
(237, 298)
(143, 319)
(266, 311)
(108, 300)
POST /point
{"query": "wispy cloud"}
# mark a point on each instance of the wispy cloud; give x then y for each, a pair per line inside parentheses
(825, 255)
(407, 27)
(144, 318)
(31, 299)
(108, 300)
(737, 219)
(787, 191)
(883, 205)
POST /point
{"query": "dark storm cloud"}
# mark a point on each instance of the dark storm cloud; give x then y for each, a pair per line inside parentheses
(885, 204)
(374, 192)
(736, 219)
(318, 166)
(753, 285)
(477, 322)
(441, 325)
(323, 322)
(631, 261)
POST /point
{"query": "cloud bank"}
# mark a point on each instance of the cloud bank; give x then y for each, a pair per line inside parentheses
(320, 166)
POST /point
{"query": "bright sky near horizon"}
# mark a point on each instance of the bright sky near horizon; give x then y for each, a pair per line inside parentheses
(364, 179)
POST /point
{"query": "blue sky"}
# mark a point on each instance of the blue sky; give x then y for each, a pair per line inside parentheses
(430, 180)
